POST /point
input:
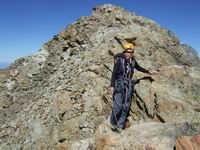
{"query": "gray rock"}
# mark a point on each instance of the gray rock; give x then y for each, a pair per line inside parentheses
(14, 73)
(189, 56)
(58, 97)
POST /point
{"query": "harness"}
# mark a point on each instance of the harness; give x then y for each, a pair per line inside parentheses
(125, 79)
(125, 84)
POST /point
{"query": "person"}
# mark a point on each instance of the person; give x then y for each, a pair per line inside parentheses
(122, 85)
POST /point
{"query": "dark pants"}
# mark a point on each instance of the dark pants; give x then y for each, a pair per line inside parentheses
(122, 97)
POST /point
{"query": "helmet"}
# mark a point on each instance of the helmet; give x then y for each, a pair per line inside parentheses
(129, 46)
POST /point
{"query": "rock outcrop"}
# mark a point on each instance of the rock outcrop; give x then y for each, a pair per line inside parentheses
(188, 142)
(58, 99)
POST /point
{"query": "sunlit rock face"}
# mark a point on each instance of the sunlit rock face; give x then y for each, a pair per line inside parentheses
(58, 99)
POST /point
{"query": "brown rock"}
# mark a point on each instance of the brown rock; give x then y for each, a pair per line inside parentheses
(61, 146)
(58, 95)
(188, 143)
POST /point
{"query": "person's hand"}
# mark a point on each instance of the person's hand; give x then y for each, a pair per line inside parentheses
(152, 72)
(111, 90)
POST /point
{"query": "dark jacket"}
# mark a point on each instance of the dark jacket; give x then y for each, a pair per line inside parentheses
(118, 68)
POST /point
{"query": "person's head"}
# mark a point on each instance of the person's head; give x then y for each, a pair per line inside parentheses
(128, 50)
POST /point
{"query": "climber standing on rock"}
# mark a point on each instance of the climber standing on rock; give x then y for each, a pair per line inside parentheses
(122, 85)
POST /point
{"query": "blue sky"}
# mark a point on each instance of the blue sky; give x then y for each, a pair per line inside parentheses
(25, 25)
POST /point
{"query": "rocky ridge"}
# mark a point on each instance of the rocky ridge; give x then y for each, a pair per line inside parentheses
(58, 99)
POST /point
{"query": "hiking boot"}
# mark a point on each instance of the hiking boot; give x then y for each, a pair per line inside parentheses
(113, 127)
(119, 130)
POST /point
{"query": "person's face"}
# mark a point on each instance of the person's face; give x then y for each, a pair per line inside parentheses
(127, 54)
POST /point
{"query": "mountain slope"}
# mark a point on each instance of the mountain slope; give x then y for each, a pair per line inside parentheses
(58, 97)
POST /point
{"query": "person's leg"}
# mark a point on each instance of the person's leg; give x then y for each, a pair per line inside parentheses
(122, 119)
(117, 108)
(126, 107)
(130, 96)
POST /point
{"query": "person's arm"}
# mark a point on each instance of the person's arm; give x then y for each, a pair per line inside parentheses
(139, 68)
(114, 73)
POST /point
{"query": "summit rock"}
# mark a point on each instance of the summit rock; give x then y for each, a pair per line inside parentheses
(58, 99)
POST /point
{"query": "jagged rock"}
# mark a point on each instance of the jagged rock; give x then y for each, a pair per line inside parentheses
(188, 142)
(58, 98)
(9, 84)
(189, 56)
(14, 73)
(142, 136)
